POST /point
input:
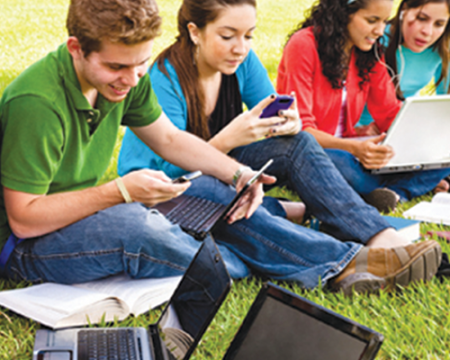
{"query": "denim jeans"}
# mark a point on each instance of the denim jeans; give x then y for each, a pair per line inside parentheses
(302, 166)
(406, 185)
(139, 241)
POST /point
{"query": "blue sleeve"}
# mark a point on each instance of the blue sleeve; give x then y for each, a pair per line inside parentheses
(254, 82)
(134, 154)
(442, 88)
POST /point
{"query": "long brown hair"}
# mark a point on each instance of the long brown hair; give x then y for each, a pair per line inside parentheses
(181, 56)
(395, 36)
(330, 19)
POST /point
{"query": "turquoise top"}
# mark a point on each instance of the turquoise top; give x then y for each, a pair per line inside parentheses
(254, 85)
(418, 70)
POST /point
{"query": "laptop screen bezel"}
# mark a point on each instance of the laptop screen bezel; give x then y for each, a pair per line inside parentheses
(208, 246)
(372, 338)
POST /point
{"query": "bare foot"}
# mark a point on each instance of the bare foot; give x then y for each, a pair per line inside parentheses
(294, 210)
(443, 186)
(388, 238)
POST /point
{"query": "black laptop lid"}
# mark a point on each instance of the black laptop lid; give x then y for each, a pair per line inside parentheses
(194, 303)
(283, 325)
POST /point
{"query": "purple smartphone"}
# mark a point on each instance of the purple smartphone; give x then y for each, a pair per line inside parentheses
(282, 102)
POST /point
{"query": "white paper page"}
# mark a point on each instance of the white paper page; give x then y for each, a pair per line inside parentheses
(49, 303)
(137, 293)
(442, 198)
(431, 212)
(65, 299)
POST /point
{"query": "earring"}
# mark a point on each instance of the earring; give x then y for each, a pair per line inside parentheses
(401, 15)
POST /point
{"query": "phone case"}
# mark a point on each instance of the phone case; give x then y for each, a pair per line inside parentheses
(282, 102)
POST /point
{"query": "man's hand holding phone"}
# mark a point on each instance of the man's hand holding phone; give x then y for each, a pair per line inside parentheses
(252, 183)
(152, 187)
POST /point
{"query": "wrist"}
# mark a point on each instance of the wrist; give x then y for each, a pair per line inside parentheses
(123, 190)
(242, 169)
(220, 143)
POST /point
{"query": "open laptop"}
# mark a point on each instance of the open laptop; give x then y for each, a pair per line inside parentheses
(283, 325)
(175, 335)
(197, 216)
(420, 135)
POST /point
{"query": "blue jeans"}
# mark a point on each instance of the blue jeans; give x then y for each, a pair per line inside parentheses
(406, 185)
(139, 241)
(302, 166)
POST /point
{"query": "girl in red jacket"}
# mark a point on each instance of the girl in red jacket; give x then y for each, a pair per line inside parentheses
(334, 64)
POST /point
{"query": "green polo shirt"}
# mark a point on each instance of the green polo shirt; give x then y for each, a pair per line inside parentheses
(52, 140)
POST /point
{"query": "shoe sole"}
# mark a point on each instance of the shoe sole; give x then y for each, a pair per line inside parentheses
(422, 267)
(360, 283)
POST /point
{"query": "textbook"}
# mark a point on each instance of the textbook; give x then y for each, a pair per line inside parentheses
(60, 306)
(408, 228)
(437, 211)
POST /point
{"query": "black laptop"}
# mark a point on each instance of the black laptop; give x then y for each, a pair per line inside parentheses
(283, 325)
(192, 307)
(198, 217)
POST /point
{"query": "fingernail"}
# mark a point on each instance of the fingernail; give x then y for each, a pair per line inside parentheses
(281, 112)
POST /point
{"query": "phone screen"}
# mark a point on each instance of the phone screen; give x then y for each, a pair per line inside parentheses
(187, 177)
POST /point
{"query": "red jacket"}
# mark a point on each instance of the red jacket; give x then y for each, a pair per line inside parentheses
(319, 105)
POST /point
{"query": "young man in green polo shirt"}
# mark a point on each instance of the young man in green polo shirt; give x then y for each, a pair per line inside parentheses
(60, 120)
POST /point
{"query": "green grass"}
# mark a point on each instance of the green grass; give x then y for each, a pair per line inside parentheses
(415, 322)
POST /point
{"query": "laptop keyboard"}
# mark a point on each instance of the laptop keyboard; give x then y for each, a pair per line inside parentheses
(114, 344)
(193, 213)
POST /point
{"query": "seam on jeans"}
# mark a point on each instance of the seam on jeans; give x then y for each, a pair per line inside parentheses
(71, 255)
(343, 263)
(17, 274)
(287, 254)
(372, 222)
(99, 253)
(154, 260)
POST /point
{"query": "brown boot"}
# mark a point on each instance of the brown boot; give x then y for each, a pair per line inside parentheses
(375, 268)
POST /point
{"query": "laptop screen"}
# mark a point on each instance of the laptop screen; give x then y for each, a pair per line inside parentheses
(195, 302)
(290, 327)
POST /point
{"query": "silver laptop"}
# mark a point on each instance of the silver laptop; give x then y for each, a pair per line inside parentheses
(420, 135)
(192, 307)
(283, 325)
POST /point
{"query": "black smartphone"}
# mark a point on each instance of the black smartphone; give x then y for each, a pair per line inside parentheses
(230, 207)
(187, 177)
(281, 102)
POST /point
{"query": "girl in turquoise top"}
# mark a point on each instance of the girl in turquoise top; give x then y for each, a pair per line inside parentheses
(417, 51)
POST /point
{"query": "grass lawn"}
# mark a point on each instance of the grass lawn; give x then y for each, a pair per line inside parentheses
(415, 322)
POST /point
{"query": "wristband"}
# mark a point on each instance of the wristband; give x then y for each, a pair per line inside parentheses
(123, 190)
(239, 172)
